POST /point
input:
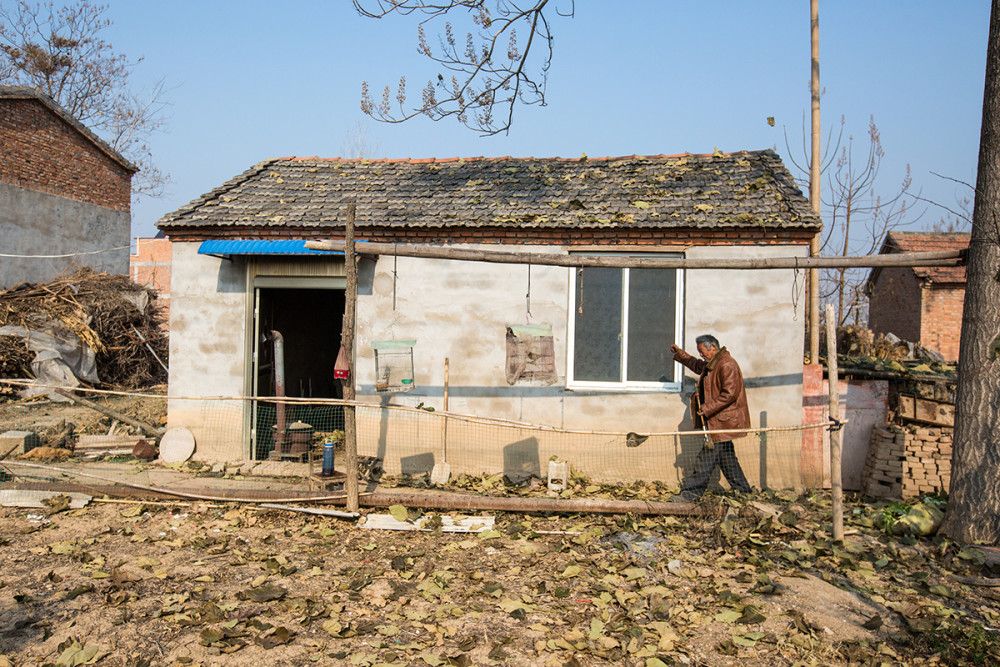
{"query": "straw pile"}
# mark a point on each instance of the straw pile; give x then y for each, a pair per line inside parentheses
(114, 316)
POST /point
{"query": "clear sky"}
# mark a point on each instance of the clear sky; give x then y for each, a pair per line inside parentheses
(248, 80)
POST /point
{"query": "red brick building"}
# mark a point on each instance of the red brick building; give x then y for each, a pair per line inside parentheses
(150, 267)
(64, 192)
(919, 304)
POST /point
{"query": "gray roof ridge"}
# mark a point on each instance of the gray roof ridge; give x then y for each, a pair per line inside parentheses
(608, 158)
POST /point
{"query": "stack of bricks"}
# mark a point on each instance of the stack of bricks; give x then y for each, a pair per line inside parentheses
(907, 463)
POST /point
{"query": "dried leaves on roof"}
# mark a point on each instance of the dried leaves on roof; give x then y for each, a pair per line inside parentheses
(746, 190)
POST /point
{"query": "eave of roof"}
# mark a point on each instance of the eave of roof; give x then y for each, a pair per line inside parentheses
(26, 93)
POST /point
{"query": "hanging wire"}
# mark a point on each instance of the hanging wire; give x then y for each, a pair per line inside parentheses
(795, 292)
(394, 277)
(527, 297)
(579, 290)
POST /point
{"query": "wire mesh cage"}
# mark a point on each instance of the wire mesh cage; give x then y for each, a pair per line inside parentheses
(393, 365)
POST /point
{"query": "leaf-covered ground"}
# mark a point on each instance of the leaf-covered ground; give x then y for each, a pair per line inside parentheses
(751, 581)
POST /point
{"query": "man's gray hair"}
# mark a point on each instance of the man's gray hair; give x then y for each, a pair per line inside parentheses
(706, 339)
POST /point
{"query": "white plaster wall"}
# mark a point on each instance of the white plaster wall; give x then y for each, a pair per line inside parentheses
(460, 310)
(760, 317)
(207, 349)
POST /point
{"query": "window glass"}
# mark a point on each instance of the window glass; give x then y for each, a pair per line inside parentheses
(651, 324)
(597, 309)
(624, 322)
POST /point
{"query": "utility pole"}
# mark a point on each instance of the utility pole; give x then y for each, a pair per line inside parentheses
(814, 194)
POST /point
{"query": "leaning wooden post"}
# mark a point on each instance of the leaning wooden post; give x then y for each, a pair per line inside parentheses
(347, 341)
(836, 477)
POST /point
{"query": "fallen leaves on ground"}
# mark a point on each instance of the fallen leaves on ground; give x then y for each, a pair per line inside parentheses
(752, 580)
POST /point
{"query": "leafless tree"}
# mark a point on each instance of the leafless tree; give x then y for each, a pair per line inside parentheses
(481, 78)
(858, 220)
(857, 216)
(60, 52)
(357, 143)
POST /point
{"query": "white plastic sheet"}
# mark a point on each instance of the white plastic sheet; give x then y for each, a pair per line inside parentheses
(61, 358)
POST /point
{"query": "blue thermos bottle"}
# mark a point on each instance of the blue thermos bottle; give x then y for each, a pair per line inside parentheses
(328, 458)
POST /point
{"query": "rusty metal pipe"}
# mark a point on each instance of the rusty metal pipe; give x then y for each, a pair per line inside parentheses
(279, 387)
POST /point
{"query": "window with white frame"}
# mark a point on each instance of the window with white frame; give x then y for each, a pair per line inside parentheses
(621, 325)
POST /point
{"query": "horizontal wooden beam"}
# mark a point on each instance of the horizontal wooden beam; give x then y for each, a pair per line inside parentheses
(941, 258)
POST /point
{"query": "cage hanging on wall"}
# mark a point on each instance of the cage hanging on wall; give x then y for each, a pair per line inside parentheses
(393, 365)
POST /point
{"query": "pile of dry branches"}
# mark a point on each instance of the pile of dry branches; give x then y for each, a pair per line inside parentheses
(114, 316)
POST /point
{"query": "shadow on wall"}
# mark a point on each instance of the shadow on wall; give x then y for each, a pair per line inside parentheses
(520, 460)
(417, 464)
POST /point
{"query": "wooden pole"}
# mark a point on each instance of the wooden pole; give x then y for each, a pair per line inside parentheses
(937, 258)
(814, 182)
(148, 429)
(347, 341)
(444, 420)
(836, 477)
(471, 501)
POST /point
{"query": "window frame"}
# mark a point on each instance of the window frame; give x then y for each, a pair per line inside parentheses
(624, 384)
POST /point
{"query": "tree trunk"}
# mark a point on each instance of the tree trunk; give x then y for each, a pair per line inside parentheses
(973, 513)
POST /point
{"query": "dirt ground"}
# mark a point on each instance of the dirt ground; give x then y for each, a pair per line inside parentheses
(40, 414)
(753, 580)
(144, 583)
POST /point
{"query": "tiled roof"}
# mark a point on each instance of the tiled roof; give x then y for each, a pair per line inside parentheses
(737, 190)
(26, 93)
(930, 242)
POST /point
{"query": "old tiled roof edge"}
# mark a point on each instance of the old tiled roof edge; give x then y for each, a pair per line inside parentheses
(28, 93)
(194, 204)
(480, 158)
(943, 275)
(767, 159)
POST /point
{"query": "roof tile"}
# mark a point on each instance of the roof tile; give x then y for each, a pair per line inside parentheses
(738, 190)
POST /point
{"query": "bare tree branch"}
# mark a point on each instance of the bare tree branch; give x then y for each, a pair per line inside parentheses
(491, 73)
(60, 52)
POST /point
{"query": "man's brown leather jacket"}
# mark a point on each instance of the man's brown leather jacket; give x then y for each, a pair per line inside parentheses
(723, 396)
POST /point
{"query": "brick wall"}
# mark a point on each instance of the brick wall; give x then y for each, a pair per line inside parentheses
(894, 304)
(41, 151)
(908, 462)
(150, 267)
(941, 319)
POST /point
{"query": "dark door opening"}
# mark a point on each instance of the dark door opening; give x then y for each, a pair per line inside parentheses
(310, 322)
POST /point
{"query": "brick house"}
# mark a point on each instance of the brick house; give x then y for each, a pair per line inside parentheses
(64, 192)
(149, 266)
(240, 267)
(919, 304)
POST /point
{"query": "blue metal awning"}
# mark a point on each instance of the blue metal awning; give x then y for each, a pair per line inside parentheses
(225, 248)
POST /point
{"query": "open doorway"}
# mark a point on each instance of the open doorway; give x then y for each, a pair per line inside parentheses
(310, 323)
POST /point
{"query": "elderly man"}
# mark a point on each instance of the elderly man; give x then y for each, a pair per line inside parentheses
(719, 404)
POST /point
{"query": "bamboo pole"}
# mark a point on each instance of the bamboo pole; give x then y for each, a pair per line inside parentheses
(347, 341)
(938, 258)
(836, 477)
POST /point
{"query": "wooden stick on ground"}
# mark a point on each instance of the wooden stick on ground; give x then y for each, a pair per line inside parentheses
(143, 426)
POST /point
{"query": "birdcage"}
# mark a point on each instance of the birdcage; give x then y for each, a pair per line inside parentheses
(393, 365)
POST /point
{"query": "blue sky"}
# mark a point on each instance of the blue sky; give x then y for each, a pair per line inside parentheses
(251, 80)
